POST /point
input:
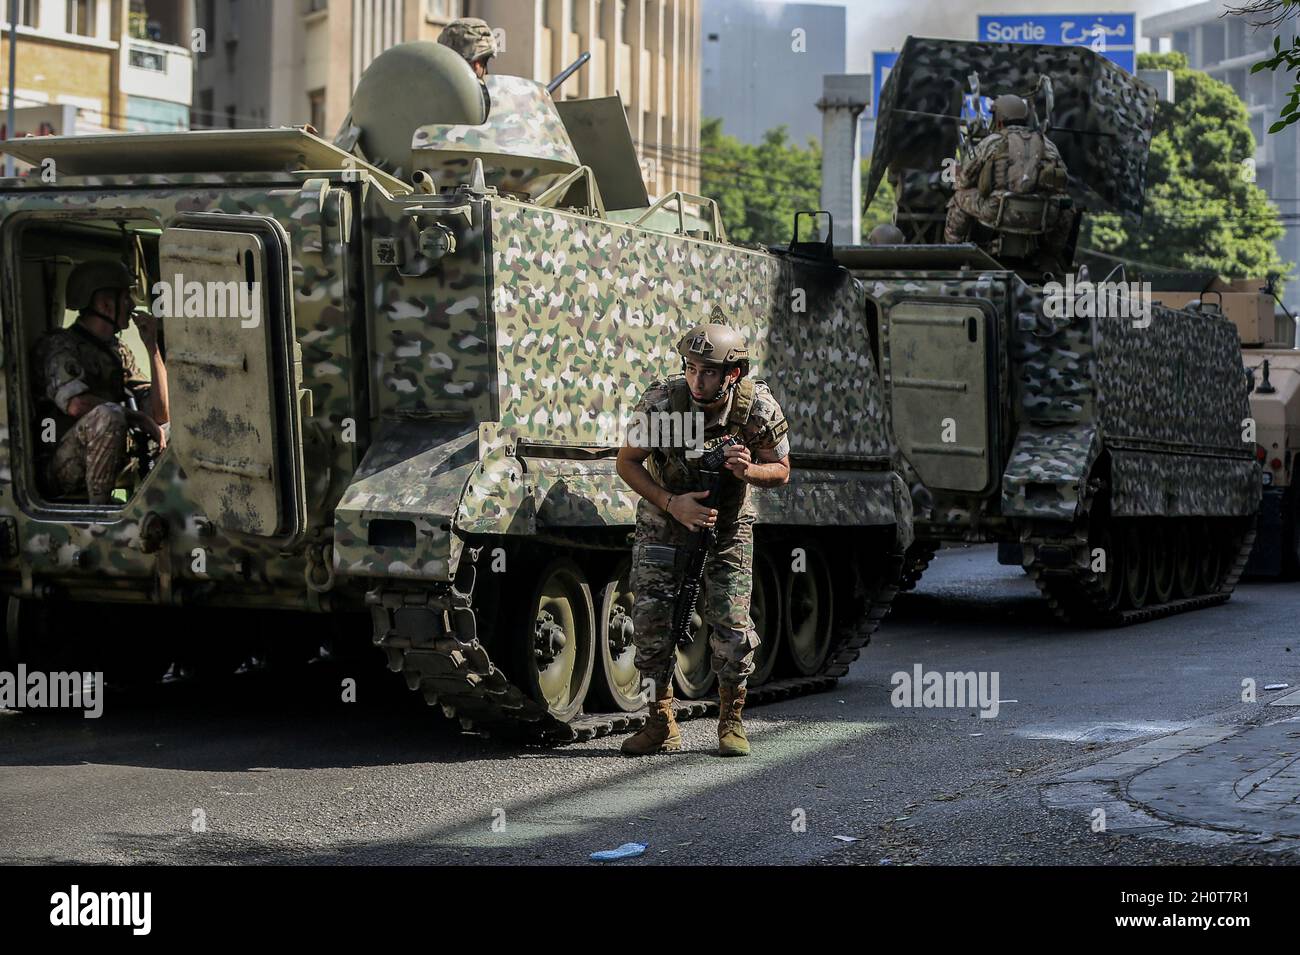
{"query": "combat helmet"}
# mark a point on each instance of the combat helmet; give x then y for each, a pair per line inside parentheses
(886, 234)
(470, 37)
(91, 276)
(1010, 109)
(716, 344)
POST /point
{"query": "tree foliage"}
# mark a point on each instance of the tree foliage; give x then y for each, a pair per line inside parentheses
(1203, 209)
(760, 188)
(1262, 13)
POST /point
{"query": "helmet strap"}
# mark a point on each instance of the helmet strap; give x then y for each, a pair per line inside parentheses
(724, 389)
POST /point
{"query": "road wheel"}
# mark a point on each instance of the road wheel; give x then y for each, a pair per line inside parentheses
(1137, 565)
(1210, 547)
(618, 682)
(558, 640)
(1105, 551)
(1186, 560)
(808, 613)
(694, 672)
(765, 609)
(1163, 570)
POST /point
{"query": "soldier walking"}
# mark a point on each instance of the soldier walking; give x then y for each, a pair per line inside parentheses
(714, 384)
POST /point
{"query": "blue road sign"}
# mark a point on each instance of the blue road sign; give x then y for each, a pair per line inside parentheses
(882, 61)
(1113, 35)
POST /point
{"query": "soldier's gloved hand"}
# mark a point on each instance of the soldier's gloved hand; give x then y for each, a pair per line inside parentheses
(689, 512)
(737, 460)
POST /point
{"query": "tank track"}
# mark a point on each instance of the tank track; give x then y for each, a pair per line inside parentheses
(447, 664)
(1077, 595)
(918, 559)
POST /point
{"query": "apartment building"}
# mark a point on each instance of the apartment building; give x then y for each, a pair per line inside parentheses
(288, 62)
(86, 66)
(763, 65)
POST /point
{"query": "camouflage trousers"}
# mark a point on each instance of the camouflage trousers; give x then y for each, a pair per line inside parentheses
(967, 206)
(659, 555)
(90, 455)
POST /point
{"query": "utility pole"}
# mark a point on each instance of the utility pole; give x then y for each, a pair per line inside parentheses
(13, 82)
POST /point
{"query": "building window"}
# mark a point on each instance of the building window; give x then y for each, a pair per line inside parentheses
(203, 117)
(439, 9)
(316, 109)
(601, 30)
(230, 117)
(313, 6)
(81, 17)
(27, 12)
(573, 15)
(625, 19)
(145, 59)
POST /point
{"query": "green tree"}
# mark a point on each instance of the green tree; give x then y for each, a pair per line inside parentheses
(760, 187)
(1271, 13)
(1203, 210)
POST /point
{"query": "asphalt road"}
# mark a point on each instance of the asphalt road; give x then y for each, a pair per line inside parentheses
(269, 772)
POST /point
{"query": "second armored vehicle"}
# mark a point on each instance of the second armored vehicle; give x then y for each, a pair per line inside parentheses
(1102, 440)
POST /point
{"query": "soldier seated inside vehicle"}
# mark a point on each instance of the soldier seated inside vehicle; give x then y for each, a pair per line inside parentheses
(94, 404)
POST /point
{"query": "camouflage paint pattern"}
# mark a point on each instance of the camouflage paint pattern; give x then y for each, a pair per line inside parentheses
(1102, 121)
(1149, 483)
(535, 332)
(524, 145)
(106, 554)
(1046, 470)
(1172, 396)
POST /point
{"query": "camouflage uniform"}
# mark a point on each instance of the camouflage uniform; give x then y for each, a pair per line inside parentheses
(969, 204)
(91, 449)
(661, 544)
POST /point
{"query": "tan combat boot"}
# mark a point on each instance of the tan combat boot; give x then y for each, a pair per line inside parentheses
(731, 732)
(660, 733)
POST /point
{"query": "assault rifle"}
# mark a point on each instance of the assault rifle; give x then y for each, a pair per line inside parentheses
(713, 471)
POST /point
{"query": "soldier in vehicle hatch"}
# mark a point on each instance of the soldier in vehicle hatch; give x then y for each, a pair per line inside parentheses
(1012, 161)
(715, 363)
(472, 38)
(87, 374)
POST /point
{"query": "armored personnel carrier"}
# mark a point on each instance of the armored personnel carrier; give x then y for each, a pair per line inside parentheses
(1270, 355)
(399, 363)
(1105, 444)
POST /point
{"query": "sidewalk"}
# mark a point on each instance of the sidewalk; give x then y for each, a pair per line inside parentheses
(1205, 784)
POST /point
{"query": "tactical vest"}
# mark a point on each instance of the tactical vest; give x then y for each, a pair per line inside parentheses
(678, 473)
(1020, 165)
